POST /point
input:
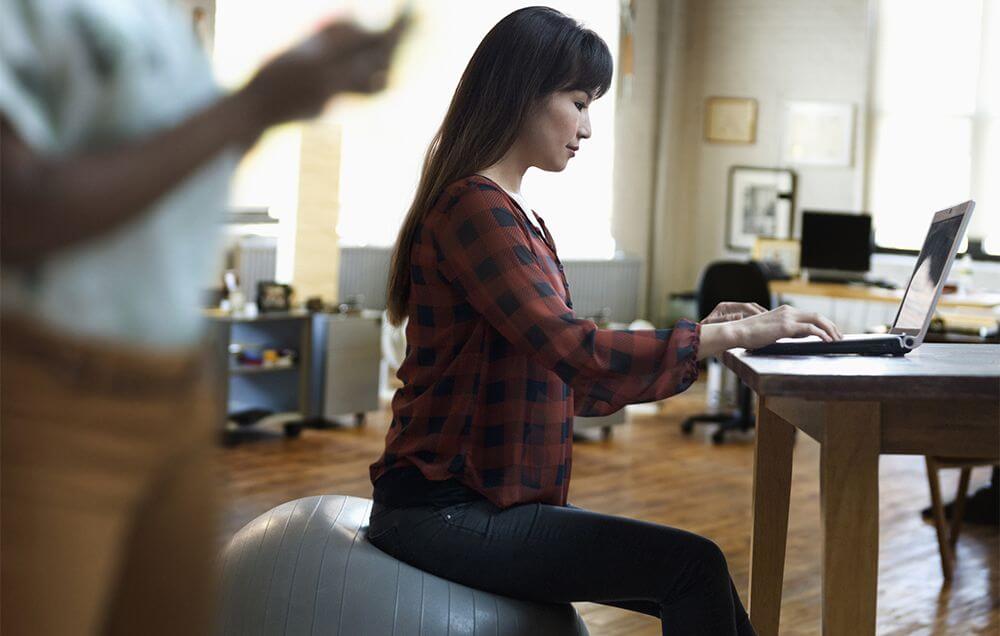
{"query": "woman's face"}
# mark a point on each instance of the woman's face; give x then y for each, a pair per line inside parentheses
(553, 130)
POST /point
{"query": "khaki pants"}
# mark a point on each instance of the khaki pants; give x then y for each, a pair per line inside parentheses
(106, 488)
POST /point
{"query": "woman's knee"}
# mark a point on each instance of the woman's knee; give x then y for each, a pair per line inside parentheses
(713, 559)
(706, 563)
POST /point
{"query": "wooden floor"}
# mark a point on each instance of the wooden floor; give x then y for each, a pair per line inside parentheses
(648, 470)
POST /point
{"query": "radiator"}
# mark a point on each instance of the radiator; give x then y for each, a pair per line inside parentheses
(364, 271)
(593, 284)
(605, 285)
(255, 260)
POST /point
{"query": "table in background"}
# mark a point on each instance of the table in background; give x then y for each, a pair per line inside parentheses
(799, 287)
(863, 309)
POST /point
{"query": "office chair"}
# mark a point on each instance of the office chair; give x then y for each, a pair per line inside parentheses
(737, 282)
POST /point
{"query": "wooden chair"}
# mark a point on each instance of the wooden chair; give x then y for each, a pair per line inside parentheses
(947, 534)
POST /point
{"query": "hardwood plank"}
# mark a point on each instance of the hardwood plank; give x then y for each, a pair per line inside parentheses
(772, 484)
(914, 426)
(933, 371)
(849, 511)
(807, 416)
(940, 523)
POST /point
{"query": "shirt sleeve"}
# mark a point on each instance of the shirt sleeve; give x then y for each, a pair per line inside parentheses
(483, 251)
(25, 76)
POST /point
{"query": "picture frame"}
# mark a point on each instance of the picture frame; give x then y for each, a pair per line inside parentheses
(273, 297)
(760, 203)
(784, 252)
(818, 134)
(731, 120)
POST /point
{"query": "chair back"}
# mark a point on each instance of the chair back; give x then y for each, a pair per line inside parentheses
(735, 281)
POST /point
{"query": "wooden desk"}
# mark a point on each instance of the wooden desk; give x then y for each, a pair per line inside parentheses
(877, 294)
(942, 399)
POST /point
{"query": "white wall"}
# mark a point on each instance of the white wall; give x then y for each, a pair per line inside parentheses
(389, 134)
(773, 51)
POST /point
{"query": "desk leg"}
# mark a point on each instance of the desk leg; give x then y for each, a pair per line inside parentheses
(849, 511)
(772, 481)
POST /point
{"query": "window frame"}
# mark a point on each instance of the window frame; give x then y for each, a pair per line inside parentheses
(977, 119)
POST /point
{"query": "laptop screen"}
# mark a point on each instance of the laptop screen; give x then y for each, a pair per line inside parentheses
(931, 263)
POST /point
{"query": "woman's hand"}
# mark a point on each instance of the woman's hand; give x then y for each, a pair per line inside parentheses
(725, 312)
(763, 329)
(785, 322)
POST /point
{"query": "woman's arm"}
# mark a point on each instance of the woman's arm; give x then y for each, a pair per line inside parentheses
(485, 253)
(49, 203)
(716, 338)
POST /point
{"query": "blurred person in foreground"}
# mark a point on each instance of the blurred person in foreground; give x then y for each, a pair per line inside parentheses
(116, 149)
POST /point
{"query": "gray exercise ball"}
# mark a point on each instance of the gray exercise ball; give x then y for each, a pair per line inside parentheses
(306, 567)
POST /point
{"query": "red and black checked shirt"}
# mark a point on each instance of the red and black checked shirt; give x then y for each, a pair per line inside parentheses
(496, 362)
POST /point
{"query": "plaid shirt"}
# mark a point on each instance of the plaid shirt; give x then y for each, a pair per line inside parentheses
(496, 362)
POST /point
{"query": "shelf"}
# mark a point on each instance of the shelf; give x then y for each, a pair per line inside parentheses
(251, 369)
(271, 316)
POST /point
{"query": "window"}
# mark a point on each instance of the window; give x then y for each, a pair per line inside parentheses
(935, 118)
(385, 138)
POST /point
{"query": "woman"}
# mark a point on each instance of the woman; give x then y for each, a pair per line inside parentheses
(116, 153)
(473, 482)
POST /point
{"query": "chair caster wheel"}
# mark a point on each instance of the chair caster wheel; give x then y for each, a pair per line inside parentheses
(687, 427)
(718, 437)
(293, 430)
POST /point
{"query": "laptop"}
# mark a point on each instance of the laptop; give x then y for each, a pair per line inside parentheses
(915, 310)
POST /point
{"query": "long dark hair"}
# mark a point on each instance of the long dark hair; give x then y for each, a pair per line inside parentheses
(530, 54)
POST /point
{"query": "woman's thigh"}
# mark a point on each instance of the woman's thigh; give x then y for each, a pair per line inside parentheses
(545, 553)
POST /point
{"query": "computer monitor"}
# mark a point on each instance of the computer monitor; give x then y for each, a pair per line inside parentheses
(836, 244)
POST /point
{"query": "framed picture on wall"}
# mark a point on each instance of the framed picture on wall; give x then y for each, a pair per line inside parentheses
(779, 251)
(731, 120)
(818, 134)
(761, 203)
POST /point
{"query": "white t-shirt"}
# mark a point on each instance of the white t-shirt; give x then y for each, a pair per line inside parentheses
(79, 75)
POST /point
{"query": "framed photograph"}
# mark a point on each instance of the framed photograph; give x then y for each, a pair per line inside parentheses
(818, 134)
(761, 203)
(273, 297)
(780, 251)
(731, 120)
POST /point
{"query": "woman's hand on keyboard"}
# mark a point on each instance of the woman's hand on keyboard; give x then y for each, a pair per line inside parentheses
(784, 322)
(763, 329)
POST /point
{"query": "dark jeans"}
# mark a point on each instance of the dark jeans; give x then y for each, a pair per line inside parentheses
(564, 554)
